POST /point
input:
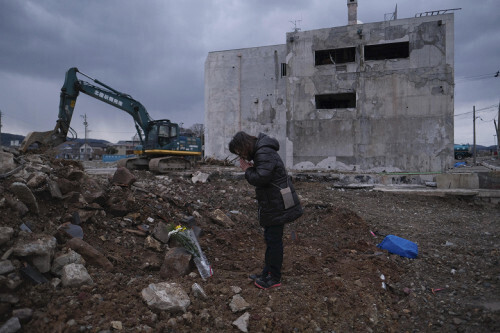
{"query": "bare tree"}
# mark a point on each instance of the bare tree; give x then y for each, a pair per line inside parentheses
(198, 130)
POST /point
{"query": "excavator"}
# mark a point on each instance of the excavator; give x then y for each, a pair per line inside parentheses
(162, 148)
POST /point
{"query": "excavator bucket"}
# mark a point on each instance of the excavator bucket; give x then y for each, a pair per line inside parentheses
(43, 139)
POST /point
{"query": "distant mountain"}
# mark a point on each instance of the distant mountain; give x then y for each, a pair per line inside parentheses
(90, 141)
(479, 147)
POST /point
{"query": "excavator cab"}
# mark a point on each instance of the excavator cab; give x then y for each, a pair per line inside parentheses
(162, 135)
(167, 133)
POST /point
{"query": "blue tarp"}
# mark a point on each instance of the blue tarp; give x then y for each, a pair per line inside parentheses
(400, 246)
(114, 158)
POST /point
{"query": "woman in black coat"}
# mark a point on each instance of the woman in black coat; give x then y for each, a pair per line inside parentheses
(276, 197)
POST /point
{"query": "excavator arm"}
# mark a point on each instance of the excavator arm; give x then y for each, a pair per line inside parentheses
(162, 147)
(69, 93)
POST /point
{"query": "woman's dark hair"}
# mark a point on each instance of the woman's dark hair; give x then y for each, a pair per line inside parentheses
(242, 144)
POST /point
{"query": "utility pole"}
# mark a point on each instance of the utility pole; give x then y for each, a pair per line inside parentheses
(85, 158)
(497, 130)
(474, 131)
(0, 128)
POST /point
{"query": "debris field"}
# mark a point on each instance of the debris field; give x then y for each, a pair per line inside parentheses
(88, 252)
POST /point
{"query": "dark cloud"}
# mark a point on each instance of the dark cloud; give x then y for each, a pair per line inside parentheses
(155, 51)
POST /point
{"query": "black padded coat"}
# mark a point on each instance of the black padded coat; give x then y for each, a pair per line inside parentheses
(268, 175)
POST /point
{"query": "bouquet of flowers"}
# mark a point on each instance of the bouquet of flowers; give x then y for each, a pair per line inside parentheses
(180, 234)
(188, 240)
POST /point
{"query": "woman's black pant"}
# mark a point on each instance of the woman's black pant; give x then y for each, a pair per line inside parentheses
(273, 236)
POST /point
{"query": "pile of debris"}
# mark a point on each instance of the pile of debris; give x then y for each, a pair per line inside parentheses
(90, 252)
(43, 241)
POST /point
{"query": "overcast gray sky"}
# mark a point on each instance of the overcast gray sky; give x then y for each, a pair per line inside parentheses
(155, 50)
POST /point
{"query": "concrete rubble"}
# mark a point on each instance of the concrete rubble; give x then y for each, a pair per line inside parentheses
(52, 201)
(238, 304)
(74, 275)
(65, 258)
(61, 254)
(242, 322)
(166, 296)
(37, 247)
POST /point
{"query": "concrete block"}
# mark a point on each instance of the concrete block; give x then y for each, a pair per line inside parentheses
(462, 180)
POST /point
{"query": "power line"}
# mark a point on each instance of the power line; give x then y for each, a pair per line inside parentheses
(483, 109)
(487, 121)
(478, 77)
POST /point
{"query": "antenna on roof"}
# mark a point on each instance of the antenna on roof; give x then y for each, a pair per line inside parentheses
(436, 12)
(391, 16)
(295, 23)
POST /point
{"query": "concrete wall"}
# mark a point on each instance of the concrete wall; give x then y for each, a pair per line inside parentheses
(402, 120)
(244, 90)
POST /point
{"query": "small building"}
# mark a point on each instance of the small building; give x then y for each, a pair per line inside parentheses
(370, 97)
(125, 147)
(86, 152)
(69, 150)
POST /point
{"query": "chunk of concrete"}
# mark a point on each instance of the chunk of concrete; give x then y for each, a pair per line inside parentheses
(165, 296)
(198, 291)
(12, 325)
(238, 303)
(153, 244)
(74, 275)
(24, 314)
(176, 263)
(5, 234)
(242, 322)
(123, 176)
(89, 253)
(65, 258)
(6, 267)
(55, 191)
(24, 194)
(6, 162)
(160, 232)
(37, 180)
(457, 180)
(39, 247)
(199, 176)
(221, 219)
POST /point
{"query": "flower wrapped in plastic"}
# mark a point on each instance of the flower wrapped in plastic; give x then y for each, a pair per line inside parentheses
(180, 234)
(188, 240)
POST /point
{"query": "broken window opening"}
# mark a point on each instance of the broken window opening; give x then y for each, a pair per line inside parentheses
(387, 51)
(336, 101)
(283, 69)
(334, 56)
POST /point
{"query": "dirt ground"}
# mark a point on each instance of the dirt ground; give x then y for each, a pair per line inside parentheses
(332, 272)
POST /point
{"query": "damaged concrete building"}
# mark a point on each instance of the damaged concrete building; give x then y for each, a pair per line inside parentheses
(366, 97)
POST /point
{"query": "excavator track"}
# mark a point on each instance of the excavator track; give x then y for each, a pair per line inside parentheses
(169, 163)
(134, 163)
(157, 165)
